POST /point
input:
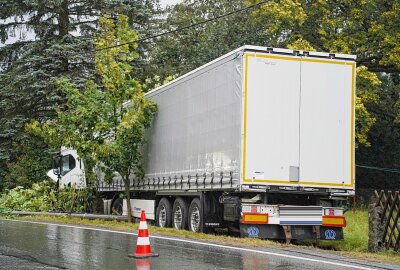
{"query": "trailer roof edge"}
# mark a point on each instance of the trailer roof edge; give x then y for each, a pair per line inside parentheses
(347, 57)
(195, 70)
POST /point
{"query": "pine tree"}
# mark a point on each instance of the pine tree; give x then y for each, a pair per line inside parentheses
(62, 46)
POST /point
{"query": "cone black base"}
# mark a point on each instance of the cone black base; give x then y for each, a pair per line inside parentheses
(143, 256)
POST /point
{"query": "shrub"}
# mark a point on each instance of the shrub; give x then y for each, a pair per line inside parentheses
(43, 197)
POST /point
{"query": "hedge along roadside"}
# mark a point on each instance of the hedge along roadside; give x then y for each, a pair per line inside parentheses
(43, 197)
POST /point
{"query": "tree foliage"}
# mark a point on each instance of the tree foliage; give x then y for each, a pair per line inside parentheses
(384, 137)
(106, 121)
(188, 49)
(30, 167)
(368, 85)
(369, 29)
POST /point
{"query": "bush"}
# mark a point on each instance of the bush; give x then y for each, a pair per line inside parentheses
(43, 197)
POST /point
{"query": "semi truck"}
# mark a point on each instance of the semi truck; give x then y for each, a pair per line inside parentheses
(260, 141)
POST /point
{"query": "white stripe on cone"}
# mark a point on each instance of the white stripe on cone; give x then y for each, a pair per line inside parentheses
(143, 241)
(142, 225)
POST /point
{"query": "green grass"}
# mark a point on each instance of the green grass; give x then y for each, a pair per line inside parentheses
(355, 241)
(354, 245)
(355, 233)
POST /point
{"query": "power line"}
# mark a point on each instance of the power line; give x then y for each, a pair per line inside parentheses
(379, 169)
(149, 37)
(188, 26)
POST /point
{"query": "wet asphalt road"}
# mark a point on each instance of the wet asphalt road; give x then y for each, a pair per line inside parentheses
(26, 245)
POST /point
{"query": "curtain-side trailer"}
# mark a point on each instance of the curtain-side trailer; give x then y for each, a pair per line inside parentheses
(260, 140)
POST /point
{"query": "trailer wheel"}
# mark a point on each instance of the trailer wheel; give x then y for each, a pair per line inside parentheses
(164, 213)
(179, 214)
(195, 216)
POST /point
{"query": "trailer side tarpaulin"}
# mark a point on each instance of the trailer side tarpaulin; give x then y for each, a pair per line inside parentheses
(195, 140)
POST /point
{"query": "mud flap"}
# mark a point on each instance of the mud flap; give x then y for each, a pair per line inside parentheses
(212, 211)
(331, 233)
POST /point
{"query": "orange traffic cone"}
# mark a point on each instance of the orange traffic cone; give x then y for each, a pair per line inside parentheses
(143, 249)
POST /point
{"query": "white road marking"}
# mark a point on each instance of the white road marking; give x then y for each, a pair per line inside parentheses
(201, 243)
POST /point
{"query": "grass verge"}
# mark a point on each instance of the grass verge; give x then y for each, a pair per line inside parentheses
(355, 243)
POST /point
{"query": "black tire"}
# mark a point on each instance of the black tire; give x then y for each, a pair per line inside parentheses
(164, 213)
(116, 207)
(195, 217)
(180, 214)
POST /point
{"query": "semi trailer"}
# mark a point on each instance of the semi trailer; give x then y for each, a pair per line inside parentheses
(260, 141)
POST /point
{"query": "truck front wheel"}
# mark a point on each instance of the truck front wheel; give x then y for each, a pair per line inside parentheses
(179, 214)
(195, 216)
(164, 213)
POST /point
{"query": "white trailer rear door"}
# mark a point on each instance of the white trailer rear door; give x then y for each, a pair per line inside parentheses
(271, 137)
(326, 126)
(298, 126)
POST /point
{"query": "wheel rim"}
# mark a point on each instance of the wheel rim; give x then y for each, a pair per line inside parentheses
(195, 219)
(162, 219)
(178, 218)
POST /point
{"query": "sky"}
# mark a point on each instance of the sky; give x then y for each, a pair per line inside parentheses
(164, 3)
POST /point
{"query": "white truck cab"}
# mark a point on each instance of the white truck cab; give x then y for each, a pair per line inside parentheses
(72, 169)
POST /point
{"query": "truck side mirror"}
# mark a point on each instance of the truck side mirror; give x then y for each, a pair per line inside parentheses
(57, 165)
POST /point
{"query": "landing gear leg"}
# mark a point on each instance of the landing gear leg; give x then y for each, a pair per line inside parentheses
(317, 231)
(288, 234)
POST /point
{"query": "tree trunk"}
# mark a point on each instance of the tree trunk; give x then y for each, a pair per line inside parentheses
(63, 19)
(63, 28)
(128, 198)
(375, 225)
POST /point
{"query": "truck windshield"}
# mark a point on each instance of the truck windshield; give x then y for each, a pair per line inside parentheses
(68, 163)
